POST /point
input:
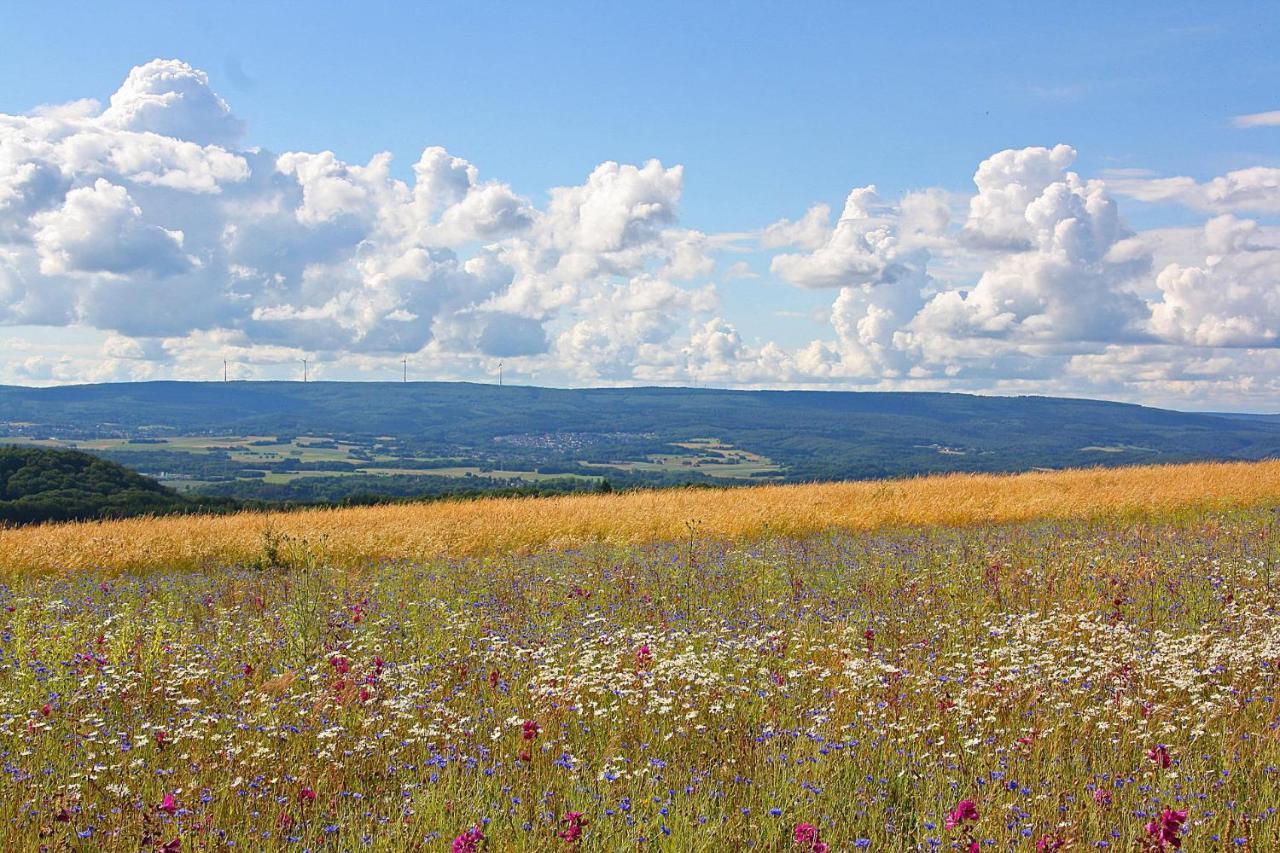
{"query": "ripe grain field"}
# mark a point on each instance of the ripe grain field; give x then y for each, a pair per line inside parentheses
(356, 536)
(1084, 660)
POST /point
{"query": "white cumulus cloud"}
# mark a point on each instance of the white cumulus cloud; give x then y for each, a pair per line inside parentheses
(153, 228)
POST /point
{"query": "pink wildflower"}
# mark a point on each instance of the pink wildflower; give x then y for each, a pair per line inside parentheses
(965, 810)
(1160, 755)
(169, 805)
(45, 710)
(1102, 797)
(341, 664)
(644, 655)
(807, 838)
(469, 841)
(1050, 843)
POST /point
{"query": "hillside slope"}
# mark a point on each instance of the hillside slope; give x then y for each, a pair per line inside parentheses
(807, 434)
(63, 485)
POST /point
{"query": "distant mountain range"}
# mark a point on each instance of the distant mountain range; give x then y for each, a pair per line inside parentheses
(321, 440)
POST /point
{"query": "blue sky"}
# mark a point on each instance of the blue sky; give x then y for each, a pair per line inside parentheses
(768, 108)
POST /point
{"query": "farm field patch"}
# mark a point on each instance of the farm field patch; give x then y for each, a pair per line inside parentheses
(357, 535)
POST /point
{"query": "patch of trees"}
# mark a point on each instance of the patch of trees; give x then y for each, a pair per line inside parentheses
(37, 484)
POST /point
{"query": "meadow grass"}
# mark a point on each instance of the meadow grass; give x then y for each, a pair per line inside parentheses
(352, 537)
(1080, 683)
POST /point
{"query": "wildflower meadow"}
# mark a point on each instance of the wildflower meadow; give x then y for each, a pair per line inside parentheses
(1064, 684)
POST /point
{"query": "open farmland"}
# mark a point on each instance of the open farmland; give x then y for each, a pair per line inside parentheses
(327, 441)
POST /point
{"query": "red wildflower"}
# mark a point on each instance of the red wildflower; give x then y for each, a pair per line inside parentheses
(162, 738)
(1160, 755)
(529, 729)
(45, 710)
(307, 795)
(493, 679)
(341, 664)
(525, 755)
(573, 831)
(1163, 830)
(247, 669)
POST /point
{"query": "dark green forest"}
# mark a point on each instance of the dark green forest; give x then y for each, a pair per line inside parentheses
(64, 485)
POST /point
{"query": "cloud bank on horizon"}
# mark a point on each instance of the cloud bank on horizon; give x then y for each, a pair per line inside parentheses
(158, 232)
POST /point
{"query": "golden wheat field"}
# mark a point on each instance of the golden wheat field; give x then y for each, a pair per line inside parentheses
(360, 535)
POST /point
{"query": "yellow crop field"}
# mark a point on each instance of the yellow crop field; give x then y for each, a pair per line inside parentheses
(353, 536)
